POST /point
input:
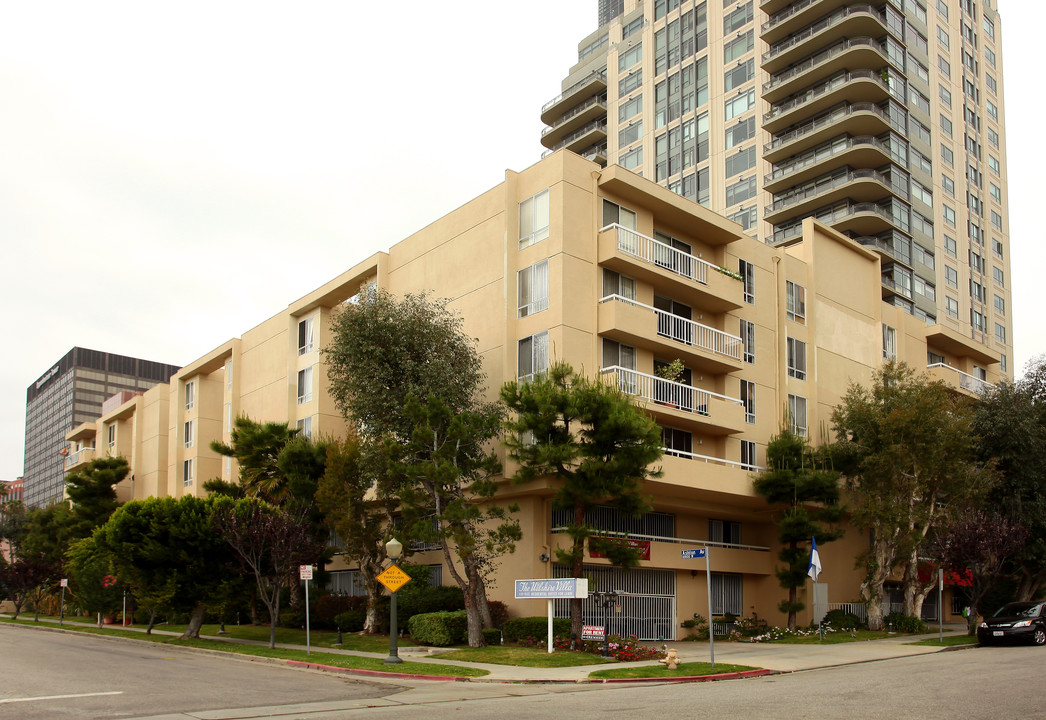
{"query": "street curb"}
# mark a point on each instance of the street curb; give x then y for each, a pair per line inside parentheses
(691, 678)
(378, 673)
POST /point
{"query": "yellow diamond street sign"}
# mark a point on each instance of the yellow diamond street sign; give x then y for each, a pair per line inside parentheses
(393, 578)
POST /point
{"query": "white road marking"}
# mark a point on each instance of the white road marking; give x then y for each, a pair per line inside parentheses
(60, 697)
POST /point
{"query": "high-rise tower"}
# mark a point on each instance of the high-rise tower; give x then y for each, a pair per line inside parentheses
(884, 120)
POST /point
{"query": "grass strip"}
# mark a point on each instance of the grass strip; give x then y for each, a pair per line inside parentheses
(688, 669)
(949, 640)
(525, 656)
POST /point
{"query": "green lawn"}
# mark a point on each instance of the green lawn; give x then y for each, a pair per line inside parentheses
(949, 640)
(833, 638)
(524, 656)
(292, 636)
(342, 661)
(688, 669)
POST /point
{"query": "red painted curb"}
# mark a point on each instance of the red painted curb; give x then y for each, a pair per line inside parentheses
(380, 673)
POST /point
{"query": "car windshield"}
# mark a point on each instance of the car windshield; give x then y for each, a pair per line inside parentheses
(1021, 609)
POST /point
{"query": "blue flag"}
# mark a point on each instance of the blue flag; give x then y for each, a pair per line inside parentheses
(815, 560)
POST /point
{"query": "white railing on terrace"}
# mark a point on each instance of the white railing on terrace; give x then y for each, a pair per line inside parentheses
(966, 381)
(661, 254)
(713, 460)
(573, 88)
(854, 608)
(597, 100)
(665, 392)
(688, 332)
(86, 453)
(677, 540)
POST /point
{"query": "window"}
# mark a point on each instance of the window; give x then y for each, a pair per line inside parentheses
(796, 302)
(976, 262)
(942, 37)
(1000, 305)
(630, 133)
(630, 107)
(993, 138)
(924, 288)
(726, 594)
(533, 289)
(228, 374)
(187, 473)
(951, 306)
(305, 427)
(305, 385)
(946, 125)
(533, 356)
(921, 192)
(737, 47)
(630, 82)
(797, 414)
(727, 532)
(1000, 332)
(996, 220)
(951, 277)
(989, 28)
(948, 184)
(993, 163)
(112, 435)
(997, 248)
(748, 459)
(993, 109)
(746, 218)
(738, 18)
(747, 332)
(737, 76)
(533, 219)
(747, 272)
(949, 215)
(617, 284)
(944, 66)
(305, 335)
(921, 161)
(617, 354)
(889, 343)
(989, 55)
(679, 443)
(946, 96)
(740, 191)
(919, 100)
(942, 8)
(1002, 361)
(614, 213)
(921, 71)
(630, 57)
(740, 161)
(190, 394)
(949, 246)
(228, 417)
(747, 396)
(632, 160)
(999, 277)
(923, 255)
(740, 104)
(977, 292)
(188, 430)
(947, 155)
(737, 134)
(990, 82)
(796, 358)
(920, 131)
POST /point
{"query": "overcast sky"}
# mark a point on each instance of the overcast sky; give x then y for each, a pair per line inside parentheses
(148, 148)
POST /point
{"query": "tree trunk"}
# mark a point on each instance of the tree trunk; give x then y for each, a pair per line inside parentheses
(152, 621)
(192, 630)
(484, 606)
(1029, 584)
(372, 623)
(473, 595)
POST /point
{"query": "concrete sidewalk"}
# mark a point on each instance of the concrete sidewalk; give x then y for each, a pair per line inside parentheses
(777, 657)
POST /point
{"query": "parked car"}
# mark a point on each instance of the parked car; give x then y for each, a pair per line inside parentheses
(1025, 621)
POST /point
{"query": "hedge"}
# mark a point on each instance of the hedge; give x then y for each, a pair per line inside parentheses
(517, 628)
(439, 628)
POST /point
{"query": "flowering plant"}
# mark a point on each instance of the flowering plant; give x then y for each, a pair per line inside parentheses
(625, 649)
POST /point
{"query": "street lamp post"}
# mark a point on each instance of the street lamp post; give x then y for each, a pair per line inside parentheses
(606, 599)
(393, 548)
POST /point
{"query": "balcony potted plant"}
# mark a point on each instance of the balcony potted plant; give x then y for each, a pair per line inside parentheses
(672, 372)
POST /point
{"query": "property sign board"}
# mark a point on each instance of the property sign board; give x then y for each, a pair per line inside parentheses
(552, 588)
(64, 582)
(305, 572)
(593, 632)
(643, 546)
(393, 578)
(694, 553)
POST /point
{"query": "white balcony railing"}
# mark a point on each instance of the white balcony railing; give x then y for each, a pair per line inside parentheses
(966, 381)
(81, 455)
(666, 539)
(713, 460)
(688, 332)
(661, 254)
(665, 392)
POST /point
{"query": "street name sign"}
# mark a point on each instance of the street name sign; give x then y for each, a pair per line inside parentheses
(694, 553)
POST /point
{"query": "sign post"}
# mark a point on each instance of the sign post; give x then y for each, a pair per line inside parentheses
(64, 582)
(305, 573)
(940, 605)
(393, 578)
(695, 554)
(550, 589)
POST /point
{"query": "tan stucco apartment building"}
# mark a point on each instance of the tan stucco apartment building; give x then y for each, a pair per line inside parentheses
(617, 275)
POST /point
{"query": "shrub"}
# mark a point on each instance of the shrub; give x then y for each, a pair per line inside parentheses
(491, 636)
(696, 627)
(427, 599)
(328, 607)
(904, 623)
(524, 627)
(498, 613)
(439, 628)
(625, 649)
(842, 620)
(351, 620)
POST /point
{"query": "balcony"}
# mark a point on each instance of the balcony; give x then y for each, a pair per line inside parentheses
(793, 16)
(588, 86)
(860, 119)
(857, 185)
(681, 275)
(79, 458)
(861, 219)
(860, 52)
(594, 108)
(957, 379)
(855, 86)
(860, 152)
(591, 134)
(858, 20)
(709, 478)
(699, 347)
(688, 408)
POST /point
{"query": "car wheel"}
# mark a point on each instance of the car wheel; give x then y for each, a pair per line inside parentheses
(1039, 638)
